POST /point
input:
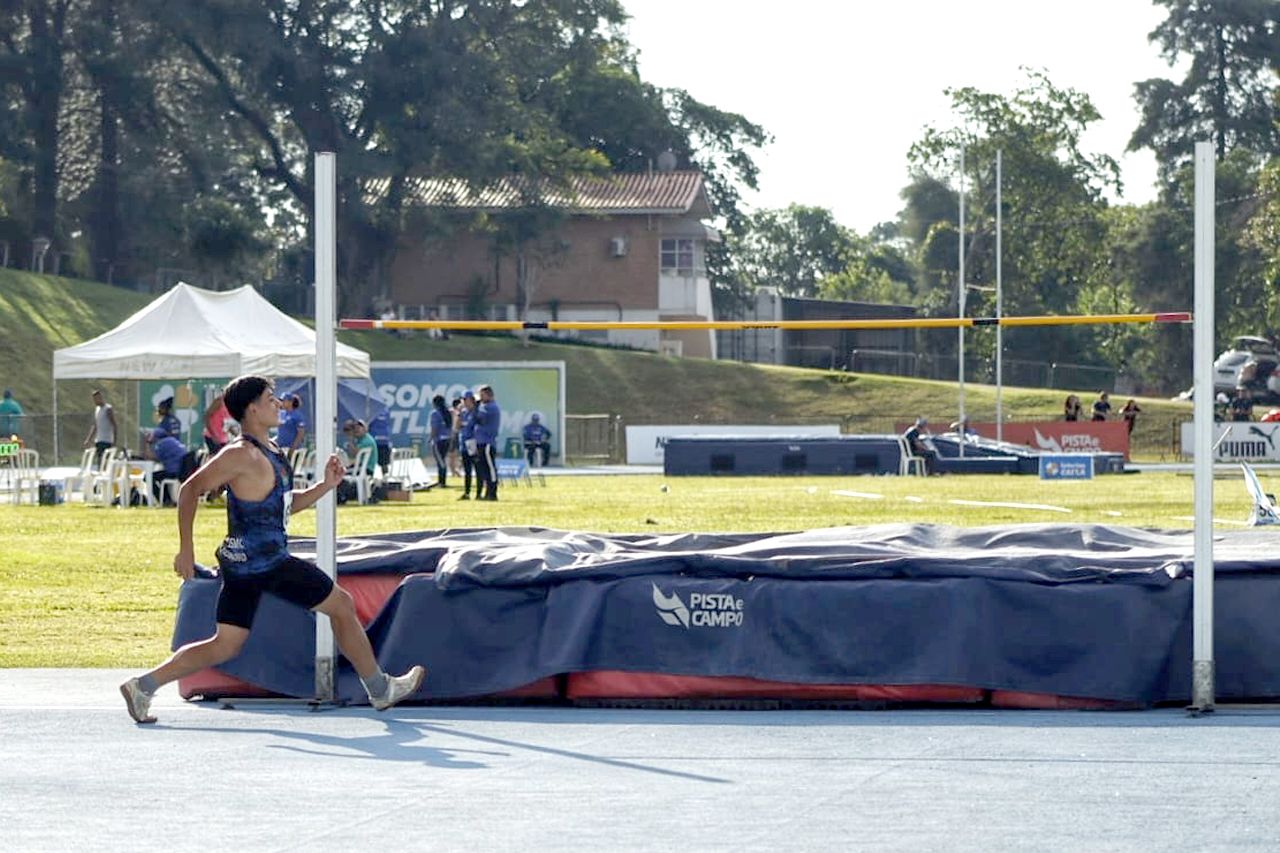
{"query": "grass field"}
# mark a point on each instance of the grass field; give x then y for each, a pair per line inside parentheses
(88, 586)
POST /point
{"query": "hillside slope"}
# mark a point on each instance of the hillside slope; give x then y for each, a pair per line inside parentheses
(39, 314)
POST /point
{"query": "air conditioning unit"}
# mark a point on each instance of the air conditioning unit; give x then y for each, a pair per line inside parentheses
(618, 247)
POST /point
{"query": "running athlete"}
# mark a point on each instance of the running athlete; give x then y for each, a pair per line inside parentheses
(254, 558)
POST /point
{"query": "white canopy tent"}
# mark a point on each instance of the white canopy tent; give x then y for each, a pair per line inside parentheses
(194, 333)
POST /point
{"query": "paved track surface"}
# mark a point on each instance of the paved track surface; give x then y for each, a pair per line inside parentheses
(77, 774)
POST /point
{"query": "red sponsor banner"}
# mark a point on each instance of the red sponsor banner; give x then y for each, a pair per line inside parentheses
(1064, 436)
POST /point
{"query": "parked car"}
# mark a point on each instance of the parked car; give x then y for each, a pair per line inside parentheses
(1231, 369)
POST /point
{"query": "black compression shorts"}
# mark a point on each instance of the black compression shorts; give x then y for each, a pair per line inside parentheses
(296, 581)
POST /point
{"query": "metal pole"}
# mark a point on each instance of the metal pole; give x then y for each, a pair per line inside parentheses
(1202, 667)
(999, 299)
(961, 301)
(326, 402)
(55, 422)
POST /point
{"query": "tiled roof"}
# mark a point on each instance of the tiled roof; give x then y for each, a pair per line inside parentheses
(621, 193)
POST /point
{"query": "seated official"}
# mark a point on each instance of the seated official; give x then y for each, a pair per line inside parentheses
(537, 440)
(176, 461)
(917, 437)
(358, 438)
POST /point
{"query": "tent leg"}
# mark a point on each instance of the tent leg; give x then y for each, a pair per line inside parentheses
(55, 421)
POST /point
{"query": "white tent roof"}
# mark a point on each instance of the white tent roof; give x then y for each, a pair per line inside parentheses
(194, 333)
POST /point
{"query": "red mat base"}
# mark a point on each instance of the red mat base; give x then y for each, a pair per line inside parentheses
(650, 685)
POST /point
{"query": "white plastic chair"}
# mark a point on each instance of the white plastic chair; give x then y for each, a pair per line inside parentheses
(26, 476)
(910, 463)
(303, 462)
(102, 486)
(360, 474)
(401, 460)
(136, 475)
(82, 480)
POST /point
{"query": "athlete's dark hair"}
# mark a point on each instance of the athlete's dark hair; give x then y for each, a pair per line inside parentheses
(242, 391)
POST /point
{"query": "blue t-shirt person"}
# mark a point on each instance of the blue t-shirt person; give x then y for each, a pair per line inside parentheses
(168, 452)
(169, 425)
(488, 422)
(536, 433)
(291, 420)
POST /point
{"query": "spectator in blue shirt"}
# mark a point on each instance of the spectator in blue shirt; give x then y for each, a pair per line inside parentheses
(380, 429)
(467, 445)
(537, 438)
(292, 431)
(488, 424)
(440, 427)
(178, 463)
(169, 423)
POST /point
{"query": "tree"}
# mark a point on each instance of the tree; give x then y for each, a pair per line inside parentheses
(1053, 208)
(1228, 93)
(792, 249)
(33, 52)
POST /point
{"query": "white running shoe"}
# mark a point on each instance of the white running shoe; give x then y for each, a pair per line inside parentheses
(137, 701)
(399, 687)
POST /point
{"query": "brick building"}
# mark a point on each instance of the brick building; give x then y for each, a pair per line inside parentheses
(623, 247)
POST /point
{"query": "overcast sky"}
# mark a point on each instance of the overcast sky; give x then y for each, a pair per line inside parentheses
(846, 86)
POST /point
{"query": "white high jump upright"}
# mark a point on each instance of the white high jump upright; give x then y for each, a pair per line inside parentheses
(326, 211)
(1202, 665)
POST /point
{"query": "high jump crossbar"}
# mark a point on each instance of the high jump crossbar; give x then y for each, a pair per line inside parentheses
(902, 323)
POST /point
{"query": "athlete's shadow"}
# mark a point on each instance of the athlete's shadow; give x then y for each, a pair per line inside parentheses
(399, 742)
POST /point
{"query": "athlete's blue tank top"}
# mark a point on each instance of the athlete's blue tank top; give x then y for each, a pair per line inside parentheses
(256, 539)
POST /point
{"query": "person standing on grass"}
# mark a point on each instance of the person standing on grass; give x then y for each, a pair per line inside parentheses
(102, 435)
(467, 445)
(441, 428)
(254, 558)
(1102, 406)
(10, 416)
(488, 424)
(1130, 413)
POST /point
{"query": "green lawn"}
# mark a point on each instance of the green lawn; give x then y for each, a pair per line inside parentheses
(88, 586)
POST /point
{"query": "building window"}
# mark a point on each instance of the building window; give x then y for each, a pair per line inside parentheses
(677, 256)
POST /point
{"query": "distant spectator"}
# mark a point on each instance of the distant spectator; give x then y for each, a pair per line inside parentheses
(10, 416)
(167, 421)
(380, 429)
(215, 425)
(359, 439)
(178, 462)
(102, 435)
(488, 426)
(1102, 406)
(1241, 408)
(440, 427)
(1072, 409)
(466, 421)
(1130, 413)
(292, 431)
(918, 443)
(537, 440)
(436, 333)
(963, 429)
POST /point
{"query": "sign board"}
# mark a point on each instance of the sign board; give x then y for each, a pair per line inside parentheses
(1066, 466)
(645, 443)
(1064, 436)
(521, 389)
(1241, 441)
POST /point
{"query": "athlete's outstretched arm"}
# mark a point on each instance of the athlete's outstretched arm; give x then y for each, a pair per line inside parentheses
(333, 474)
